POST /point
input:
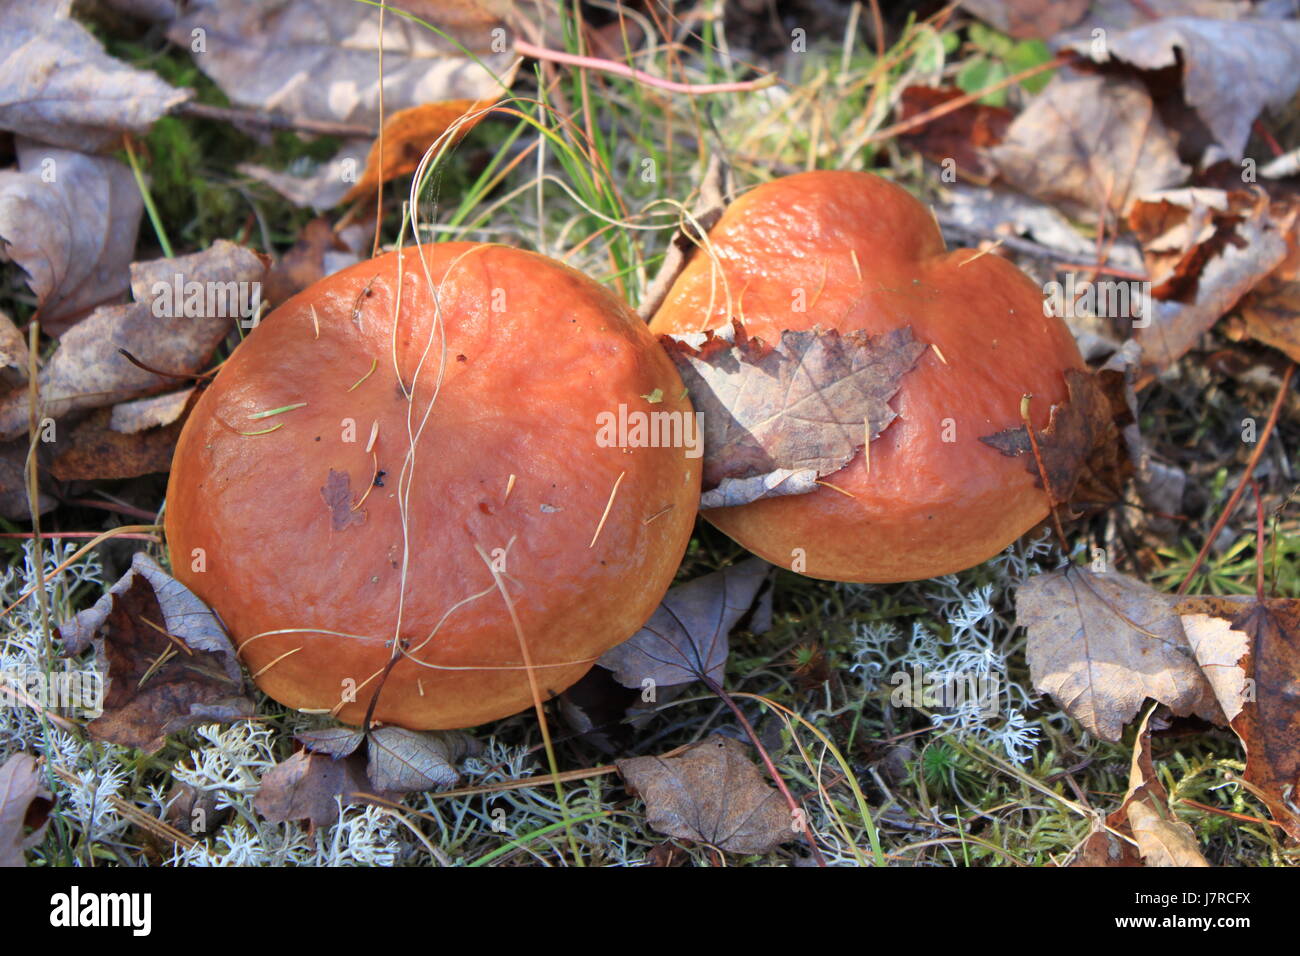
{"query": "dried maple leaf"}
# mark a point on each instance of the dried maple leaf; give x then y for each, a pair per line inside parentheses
(70, 221)
(1080, 441)
(310, 786)
(59, 86)
(686, 637)
(712, 794)
(807, 404)
(166, 661)
(1102, 643)
(87, 370)
(24, 806)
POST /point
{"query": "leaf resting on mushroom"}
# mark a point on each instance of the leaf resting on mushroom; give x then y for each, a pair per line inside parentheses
(1077, 429)
(712, 793)
(807, 404)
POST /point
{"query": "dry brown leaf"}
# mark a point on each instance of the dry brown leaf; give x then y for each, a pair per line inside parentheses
(1101, 643)
(1089, 143)
(1029, 19)
(70, 221)
(408, 761)
(94, 451)
(310, 786)
(712, 794)
(319, 252)
(806, 405)
(1144, 817)
(686, 637)
(319, 60)
(24, 806)
(13, 482)
(1242, 253)
(407, 134)
(59, 86)
(963, 135)
(14, 357)
(1232, 69)
(324, 185)
(1264, 703)
(87, 371)
(166, 661)
(1272, 310)
(131, 417)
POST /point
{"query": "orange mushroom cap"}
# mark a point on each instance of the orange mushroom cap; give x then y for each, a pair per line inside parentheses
(431, 471)
(851, 251)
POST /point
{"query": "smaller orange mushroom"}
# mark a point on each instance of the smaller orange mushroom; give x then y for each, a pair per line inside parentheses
(850, 251)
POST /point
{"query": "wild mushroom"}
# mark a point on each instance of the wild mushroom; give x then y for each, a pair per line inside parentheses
(851, 251)
(428, 467)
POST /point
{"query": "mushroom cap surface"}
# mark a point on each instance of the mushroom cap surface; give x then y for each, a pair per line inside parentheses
(432, 473)
(852, 251)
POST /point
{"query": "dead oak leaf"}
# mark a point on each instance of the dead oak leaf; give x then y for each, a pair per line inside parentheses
(808, 403)
(686, 637)
(1101, 643)
(167, 663)
(24, 808)
(1080, 440)
(712, 794)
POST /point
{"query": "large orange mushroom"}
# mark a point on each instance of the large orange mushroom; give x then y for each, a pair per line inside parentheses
(398, 495)
(849, 252)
